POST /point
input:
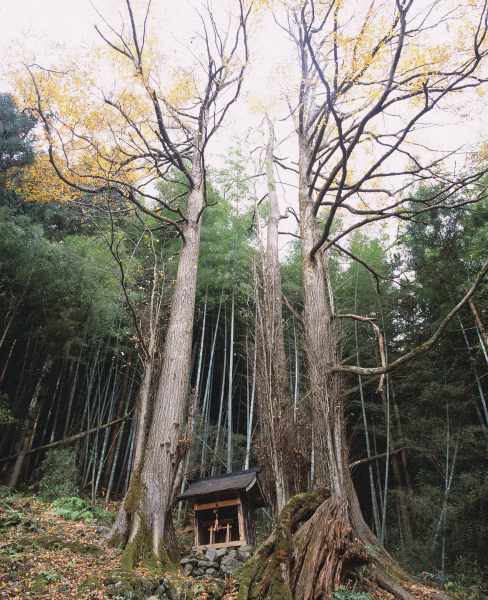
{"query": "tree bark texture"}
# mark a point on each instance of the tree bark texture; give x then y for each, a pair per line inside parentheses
(145, 519)
(273, 393)
(336, 537)
(321, 351)
(313, 549)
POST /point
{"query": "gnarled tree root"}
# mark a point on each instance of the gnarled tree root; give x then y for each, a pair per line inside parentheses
(314, 549)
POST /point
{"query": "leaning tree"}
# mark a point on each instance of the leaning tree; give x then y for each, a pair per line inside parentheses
(371, 77)
(122, 144)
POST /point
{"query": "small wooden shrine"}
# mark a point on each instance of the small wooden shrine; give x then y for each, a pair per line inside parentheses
(224, 508)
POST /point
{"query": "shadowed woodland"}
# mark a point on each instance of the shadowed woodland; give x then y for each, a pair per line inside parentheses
(167, 315)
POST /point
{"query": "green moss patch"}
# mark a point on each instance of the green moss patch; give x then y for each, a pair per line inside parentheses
(54, 542)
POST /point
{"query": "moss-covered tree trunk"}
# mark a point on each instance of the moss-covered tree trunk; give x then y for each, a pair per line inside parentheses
(144, 521)
(321, 537)
(337, 534)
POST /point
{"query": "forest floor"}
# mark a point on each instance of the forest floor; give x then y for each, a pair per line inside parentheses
(45, 556)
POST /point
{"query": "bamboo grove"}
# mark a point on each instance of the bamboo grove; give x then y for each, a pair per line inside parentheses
(316, 308)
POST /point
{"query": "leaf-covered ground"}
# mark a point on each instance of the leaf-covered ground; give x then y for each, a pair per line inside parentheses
(43, 555)
(46, 556)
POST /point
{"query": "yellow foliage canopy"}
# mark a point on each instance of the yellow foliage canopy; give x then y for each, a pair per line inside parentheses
(39, 182)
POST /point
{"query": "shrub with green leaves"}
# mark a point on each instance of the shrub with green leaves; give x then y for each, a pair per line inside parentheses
(59, 474)
(74, 508)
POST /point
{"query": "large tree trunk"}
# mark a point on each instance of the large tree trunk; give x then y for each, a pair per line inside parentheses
(321, 538)
(321, 351)
(352, 539)
(145, 521)
(323, 555)
(274, 399)
(120, 528)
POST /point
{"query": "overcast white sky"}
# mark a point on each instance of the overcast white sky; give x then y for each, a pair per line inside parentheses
(46, 30)
(49, 29)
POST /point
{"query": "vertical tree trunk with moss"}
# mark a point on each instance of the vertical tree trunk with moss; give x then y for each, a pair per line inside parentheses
(352, 541)
(144, 520)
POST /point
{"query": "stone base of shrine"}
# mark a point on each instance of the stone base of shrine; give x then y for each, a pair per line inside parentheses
(215, 562)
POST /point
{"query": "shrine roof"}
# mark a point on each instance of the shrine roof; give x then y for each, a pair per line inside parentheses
(243, 482)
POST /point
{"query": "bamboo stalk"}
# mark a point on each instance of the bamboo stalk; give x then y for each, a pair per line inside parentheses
(30, 426)
(221, 403)
(230, 388)
(207, 393)
(372, 490)
(120, 435)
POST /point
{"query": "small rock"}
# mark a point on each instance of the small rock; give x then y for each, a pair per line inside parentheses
(197, 572)
(205, 564)
(221, 552)
(243, 555)
(187, 560)
(211, 554)
(232, 553)
(103, 531)
(153, 598)
(229, 565)
(187, 569)
(211, 572)
(166, 591)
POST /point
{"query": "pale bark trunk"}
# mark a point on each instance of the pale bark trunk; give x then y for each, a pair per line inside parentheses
(483, 334)
(151, 488)
(326, 390)
(119, 434)
(194, 408)
(296, 383)
(250, 415)
(221, 404)
(321, 351)
(105, 442)
(74, 381)
(400, 471)
(274, 398)
(208, 395)
(374, 502)
(386, 404)
(10, 320)
(6, 363)
(484, 404)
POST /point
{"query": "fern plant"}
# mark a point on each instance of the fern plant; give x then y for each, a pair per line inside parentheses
(74, 508)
